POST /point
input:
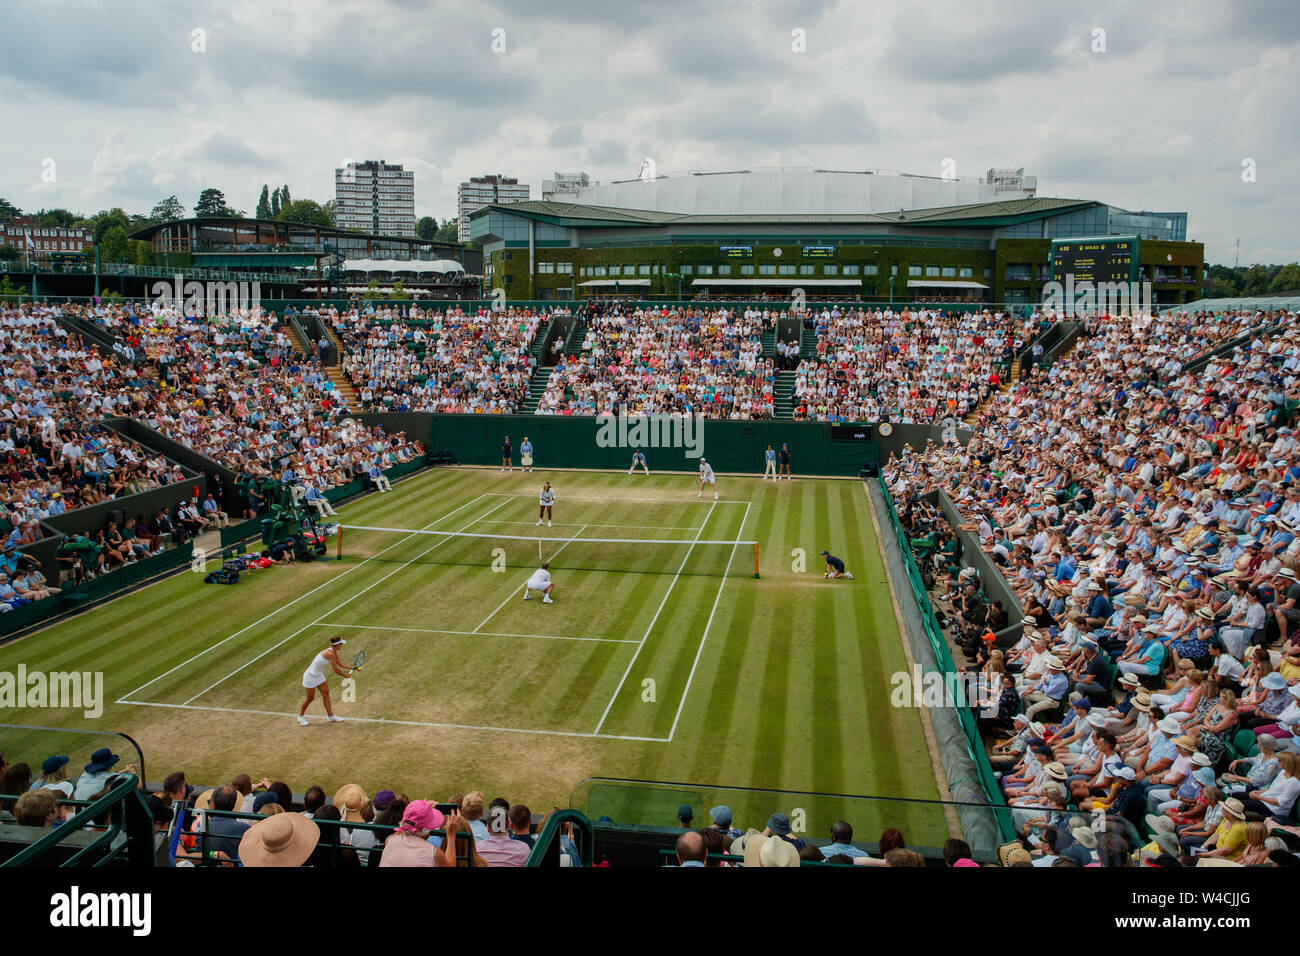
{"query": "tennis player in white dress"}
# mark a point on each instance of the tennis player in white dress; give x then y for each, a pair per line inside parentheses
(316, 678)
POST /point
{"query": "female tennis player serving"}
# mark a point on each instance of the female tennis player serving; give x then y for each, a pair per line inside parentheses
(316, 678)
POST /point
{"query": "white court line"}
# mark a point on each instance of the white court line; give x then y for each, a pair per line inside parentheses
(599, 524)
(511, 596)
(333, 609)
(700, 650)
(679, 501)
(671, 585)
(400, 723)
(332, 580)
(435, 630)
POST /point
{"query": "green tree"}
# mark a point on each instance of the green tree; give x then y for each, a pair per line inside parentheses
(426, 227)
(447, 231)
(1256, 280)
(169, 210)
(399, 291)
(331, 208)
(212, 202)
(8, 210)
(275, 203)
(56, 218)
(264, 203)
(101, 222)
(305, 211)
(1287, 279)
(284, 196)
(114, 247)
(9, 254)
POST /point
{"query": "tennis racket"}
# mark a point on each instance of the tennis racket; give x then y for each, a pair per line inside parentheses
(359, 660)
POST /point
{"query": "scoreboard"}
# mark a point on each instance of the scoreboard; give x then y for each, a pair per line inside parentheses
(1104, 259)
(735, 252)
(819, 252)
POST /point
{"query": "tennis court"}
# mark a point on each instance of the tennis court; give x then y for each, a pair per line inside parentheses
(663, 656)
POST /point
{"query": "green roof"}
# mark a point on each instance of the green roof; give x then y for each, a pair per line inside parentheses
(1001, 213)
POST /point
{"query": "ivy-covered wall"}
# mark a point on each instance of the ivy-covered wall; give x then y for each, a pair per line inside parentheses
(510, 266)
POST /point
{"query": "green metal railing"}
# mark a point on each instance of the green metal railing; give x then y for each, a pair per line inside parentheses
(546, 848)
(943, 657)
(128, 836)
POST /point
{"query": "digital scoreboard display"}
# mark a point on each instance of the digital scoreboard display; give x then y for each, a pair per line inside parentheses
(1094, 260)
(736, 252)
(819, 252)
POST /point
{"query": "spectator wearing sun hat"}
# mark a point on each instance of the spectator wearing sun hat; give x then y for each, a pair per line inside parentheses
(284, 840)
(1260, 769)
(97, 773)
(409, 845)
(770, 850)
(1047, 692)
(1229, 838)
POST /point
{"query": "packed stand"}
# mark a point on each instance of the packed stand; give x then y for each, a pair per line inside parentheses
(1145, 519)
(694, 362)
(431, 360)
(910, 366)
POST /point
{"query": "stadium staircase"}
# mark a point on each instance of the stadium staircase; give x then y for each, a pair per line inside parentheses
(783, 406)
(539, 340)
(536, 389)
(577, 332)
(769, 343)
(974, 416)
(335, 372)
(808, 344)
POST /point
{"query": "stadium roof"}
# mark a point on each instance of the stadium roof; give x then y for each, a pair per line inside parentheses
(1260, 303)
(248, 224)
(579, 216)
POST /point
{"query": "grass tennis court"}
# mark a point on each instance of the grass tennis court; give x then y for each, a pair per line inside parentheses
(662, 657)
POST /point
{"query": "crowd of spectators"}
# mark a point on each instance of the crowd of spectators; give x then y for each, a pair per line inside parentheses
(704, 363)
(916, 366)
(56, 456)
(431, 360)
(1145, 518)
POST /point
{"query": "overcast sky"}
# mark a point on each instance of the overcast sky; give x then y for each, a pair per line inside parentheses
(1185, 91)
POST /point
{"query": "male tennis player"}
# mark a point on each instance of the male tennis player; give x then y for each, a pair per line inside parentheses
(540, 581)
(638, 461)
(526, 454)
(316, 678)
(835, 566)
(544, 502)
(706, 475)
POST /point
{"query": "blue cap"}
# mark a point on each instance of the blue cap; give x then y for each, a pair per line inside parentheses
(1082, 703)
(721, 815)
(684, 812)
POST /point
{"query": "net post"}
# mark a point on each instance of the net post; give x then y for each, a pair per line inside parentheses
(339, 550)
(755, 559)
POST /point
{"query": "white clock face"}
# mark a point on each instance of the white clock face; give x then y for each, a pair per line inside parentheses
(776, 253)
(886, 429)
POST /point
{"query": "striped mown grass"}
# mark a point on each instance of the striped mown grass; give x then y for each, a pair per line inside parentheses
(651, 664)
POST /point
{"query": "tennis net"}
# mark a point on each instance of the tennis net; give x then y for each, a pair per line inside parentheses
(684, 556)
